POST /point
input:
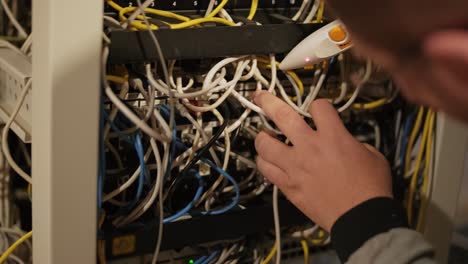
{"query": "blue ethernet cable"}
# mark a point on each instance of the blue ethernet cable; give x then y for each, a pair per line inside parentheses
(235, 200)
(200, 260)
(189, 206)
(404, 143)
(210, 257)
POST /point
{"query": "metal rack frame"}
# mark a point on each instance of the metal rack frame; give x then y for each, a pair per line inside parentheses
(66, 72)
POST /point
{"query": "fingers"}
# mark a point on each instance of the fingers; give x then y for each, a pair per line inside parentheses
(449, 50)
(449, 44)
(287, 120)
(274, 174)
(326, 117)
(273, 150)
(447, 53)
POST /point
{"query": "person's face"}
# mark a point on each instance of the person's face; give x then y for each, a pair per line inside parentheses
(437, 76)
(423, 43)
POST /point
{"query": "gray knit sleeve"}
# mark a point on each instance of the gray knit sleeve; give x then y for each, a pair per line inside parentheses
(397, 246)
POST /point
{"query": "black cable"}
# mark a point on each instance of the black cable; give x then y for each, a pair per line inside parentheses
(204, 150)
(199, 155)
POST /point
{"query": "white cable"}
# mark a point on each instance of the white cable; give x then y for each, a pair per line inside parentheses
(198, 127)
(129, 182)
(27, 44)
(247, 103)
(161, 209)
(361, 83)
(377, 134)
(14, 22)
(133, 117)
(227, 143)
(305, 233)
(289, 102)
(301, 10)
(249, 163)
(210, 7)
(171, 77)
(296, 90)
(431, 166)
(6, 129)
(149, 200)
(241, 66)
(315, 91)
(17, 233)
(227, 140)
(4, 242)
(112, 21)
(224, 256)
(343, 91)
(252, 70)
(276, 219)
(224, 14)
(207, 85)
(6, 44)
(239, 121)
(114, 111)
(137, 12)
(313, 12)
(15, 259)
(274, 73)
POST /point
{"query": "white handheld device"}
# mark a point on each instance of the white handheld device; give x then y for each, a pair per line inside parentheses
(324, 43)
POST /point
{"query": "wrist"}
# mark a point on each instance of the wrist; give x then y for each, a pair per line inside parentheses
(370, 218)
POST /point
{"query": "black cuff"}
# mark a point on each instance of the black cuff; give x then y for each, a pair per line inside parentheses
(370, 218)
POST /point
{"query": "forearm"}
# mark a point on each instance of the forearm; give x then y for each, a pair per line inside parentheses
(376, 231)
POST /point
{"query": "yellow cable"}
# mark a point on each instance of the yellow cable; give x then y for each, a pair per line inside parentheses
(12, 248)
(414, 177)
(142, 26)
(217, 9)
(426, 175)
(298, 81)
(102, 218)
(198, 21)
(305, 249)
(293, 75)
(30, 191)
(124, 11)
(320, 12)
(271, 254)
(253, 9)
(414, 133)
(102, 251)
(187, 22)
(116, 79)
(371, 105)
(114, 5)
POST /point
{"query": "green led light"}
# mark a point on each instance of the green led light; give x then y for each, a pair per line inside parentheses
(191, 261)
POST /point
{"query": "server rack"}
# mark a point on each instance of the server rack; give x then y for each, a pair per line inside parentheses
(66, 72)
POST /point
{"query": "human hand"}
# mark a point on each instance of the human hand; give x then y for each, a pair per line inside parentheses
(326, 172)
